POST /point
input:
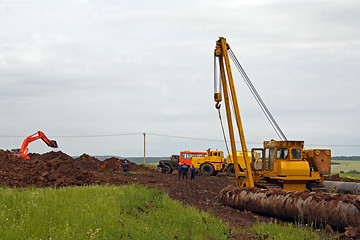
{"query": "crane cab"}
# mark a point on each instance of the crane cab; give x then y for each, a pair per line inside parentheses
(286, 164)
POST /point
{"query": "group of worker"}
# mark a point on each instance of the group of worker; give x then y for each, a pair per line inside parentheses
(182, 171)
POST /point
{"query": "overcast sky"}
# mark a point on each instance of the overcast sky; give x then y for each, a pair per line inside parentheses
(94, 68)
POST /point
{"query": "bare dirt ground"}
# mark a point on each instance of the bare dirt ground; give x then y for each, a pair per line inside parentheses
(56, 169)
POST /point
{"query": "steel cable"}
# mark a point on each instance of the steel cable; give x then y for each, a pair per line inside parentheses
(257, 97)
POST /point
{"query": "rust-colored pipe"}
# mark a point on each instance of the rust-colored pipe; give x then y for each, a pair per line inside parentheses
(342, 187)
(337, 210)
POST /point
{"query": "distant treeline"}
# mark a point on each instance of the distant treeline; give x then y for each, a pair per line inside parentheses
(351, 158)
(147, 159)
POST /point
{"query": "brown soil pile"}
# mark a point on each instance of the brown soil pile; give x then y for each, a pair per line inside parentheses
(56, 169)
(336, 177)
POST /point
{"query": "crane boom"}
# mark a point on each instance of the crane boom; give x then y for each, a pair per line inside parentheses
(221, 53)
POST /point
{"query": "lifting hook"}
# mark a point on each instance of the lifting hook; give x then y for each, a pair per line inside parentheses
(217, 105)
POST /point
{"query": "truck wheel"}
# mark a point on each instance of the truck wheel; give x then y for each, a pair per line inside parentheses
(231, 170)
(207, 169)
(168, 169)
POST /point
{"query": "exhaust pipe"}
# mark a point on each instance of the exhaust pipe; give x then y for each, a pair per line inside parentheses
(337, 210)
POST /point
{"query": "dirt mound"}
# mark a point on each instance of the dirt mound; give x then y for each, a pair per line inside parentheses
(58, 169)
(116, 164)
(336, 177)
(50, 169)
(87, 162)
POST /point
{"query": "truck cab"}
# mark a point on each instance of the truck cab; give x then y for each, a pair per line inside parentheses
(210, 164)
(170, 163)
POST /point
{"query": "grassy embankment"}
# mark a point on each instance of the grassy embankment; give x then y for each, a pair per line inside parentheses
(289, 231)
(101, 212)
(346, 166)
(116, 212)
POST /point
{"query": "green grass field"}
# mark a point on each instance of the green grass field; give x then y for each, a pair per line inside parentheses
(101, 212)
(289, 231)
(345, 165)
(117, 212)
(150, 165)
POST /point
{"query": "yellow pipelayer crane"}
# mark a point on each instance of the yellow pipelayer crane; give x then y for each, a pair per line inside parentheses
(282, 163)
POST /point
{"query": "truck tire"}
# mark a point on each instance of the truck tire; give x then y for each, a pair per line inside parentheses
(207, 169)
(168, 169)
(231, 170)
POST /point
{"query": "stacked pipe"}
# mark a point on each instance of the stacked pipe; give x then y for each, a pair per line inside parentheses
(343, 187)
(337, 210)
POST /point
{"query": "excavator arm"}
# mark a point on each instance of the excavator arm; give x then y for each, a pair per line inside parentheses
(38, 135)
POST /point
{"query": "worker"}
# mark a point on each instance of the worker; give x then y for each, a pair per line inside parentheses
(185, 169)
(125, 167)
(179, 171)
(192, 172)
(163, 169)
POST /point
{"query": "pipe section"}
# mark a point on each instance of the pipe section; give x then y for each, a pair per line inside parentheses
(342, 187)
(337, 210)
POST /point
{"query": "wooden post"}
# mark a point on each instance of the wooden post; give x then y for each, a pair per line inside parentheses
(144, 147)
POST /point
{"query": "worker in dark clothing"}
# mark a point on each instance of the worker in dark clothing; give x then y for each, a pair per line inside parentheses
(192, 172)
(163, 169)
(125, 167)
(185, 169)
(179, 171)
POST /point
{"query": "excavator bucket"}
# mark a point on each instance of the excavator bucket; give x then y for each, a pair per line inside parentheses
(53, 144)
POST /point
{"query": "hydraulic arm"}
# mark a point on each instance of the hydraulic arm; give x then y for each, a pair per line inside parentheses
(38, 135)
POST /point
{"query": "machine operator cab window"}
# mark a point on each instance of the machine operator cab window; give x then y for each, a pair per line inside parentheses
(269, 159)
(258, 163)
(296, 154)
(282, 153)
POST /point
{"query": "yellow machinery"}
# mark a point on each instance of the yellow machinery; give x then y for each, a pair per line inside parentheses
(230, 168)
(282, 164)
(212, 163)
(279, 163)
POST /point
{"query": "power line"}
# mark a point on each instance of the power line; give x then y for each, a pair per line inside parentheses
(173, 136)
(81, 136)
(100, 135)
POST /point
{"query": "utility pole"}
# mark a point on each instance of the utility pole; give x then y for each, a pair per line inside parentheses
(144, 146)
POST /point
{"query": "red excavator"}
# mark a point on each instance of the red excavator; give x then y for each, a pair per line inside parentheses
(22, 152)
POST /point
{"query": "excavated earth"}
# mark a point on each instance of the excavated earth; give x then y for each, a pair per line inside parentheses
(57, 169)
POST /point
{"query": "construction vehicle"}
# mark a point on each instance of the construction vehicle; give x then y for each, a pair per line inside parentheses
(282, 163)
(185, 157)
(210, 164)
(170, 163)
(230, 168)
(282, 167)
(22, 152)
(214, 162)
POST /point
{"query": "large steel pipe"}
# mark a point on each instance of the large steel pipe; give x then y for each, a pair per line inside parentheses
(337, 210)
(343, 187)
